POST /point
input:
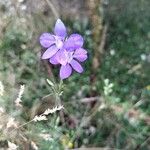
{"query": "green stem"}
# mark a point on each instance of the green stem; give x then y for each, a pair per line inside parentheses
(58, 99)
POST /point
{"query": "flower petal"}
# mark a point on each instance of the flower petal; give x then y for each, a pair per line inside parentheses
(73, 42)
(76, 66)
(50, 52)
(60, 29)
(80, 54)
(61, 57)
(53, 60)
(65, 71)
(46, 40)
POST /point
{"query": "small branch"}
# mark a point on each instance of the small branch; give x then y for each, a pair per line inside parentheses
(103, 39)
(90, 99)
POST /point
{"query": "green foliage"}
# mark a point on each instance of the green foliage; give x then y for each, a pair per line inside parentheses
(122, 62)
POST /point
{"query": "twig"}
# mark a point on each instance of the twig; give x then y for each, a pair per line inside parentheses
(103, 39)
(90, 99)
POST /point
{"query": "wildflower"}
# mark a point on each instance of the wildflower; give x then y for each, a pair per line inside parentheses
(67, 52)
(39, 118)
(53, 110)
(47, 112)
(69, 60)
(53, 42)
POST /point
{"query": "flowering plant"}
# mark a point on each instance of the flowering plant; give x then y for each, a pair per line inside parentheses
(63, 50)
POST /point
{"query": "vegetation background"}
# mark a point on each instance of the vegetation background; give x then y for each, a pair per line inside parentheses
(117, 37)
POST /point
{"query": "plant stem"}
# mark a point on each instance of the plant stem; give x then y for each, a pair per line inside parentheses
(58, 100)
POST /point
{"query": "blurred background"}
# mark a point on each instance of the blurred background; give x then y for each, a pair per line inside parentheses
(108, 106)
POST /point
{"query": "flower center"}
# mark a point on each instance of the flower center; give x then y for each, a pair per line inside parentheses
(65, 57)
(58, 42)
(69, 56)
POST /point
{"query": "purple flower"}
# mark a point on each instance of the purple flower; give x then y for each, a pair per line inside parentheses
(52, 42)
(67, 52)
(69, 60)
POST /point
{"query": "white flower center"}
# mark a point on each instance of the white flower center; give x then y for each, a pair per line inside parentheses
(69, 56)
(58, 42)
